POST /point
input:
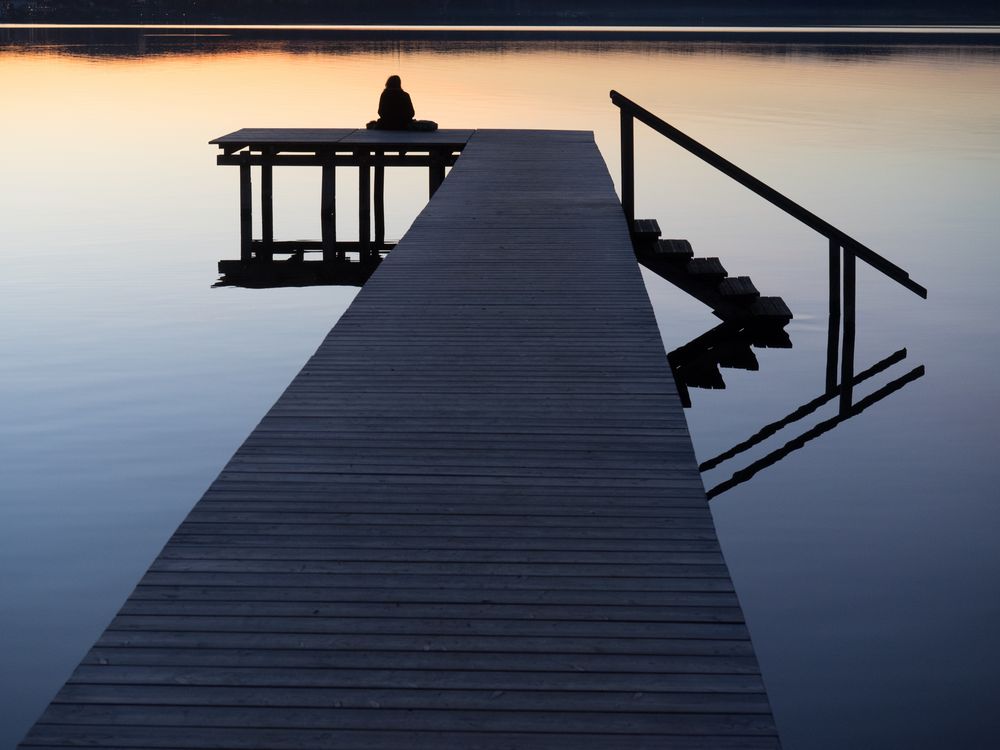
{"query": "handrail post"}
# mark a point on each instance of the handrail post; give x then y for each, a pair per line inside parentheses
(834, 279)
(833, 324)
(847, 349)
(628, 166)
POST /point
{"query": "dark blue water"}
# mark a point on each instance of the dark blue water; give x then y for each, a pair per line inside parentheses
(865, 559)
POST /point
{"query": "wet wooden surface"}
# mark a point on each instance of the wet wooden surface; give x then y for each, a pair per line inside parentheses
(473, 520)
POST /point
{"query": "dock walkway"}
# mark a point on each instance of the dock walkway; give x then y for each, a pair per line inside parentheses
(474, 519)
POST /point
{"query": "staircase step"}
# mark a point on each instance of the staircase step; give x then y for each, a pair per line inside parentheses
(702, 375)
(773, 308)
(736, 355)
(673, 250)
(738, 289)
(770, 335)
(707, 269)
(645, 230)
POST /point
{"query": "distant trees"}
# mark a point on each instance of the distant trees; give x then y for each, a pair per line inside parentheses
(598, 12)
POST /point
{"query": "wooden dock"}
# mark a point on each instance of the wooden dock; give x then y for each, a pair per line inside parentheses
(473, 520)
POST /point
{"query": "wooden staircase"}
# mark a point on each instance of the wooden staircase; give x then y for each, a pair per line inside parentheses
(732, 298)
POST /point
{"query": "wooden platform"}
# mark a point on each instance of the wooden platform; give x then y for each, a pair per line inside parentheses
(474, 519)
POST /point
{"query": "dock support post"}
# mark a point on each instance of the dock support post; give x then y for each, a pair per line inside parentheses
(379, 207)
(246, 213)
(266, 207)
(364, 207)
(436, 176)
(628, 167)
(833, 324)
(847, 352)
(328, 211)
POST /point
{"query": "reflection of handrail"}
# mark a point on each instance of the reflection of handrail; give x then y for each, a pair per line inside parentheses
(793, 445)
(808, 408)
(629, 110)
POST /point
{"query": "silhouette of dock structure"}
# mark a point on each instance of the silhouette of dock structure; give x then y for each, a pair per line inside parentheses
(473, 520)
(370, 152)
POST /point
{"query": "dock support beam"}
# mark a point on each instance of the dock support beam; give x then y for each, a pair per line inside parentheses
(436, 176)
(379, 207)
(267, 208)
(246, 213)
(328, 212)
(364, 208)
(628, 167)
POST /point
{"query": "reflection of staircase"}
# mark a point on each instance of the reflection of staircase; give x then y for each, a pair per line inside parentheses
(705, 279)
(729, 345)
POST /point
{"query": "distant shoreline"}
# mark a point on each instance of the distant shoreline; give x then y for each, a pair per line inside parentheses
(845, 36)
(508, 13)
(538, 28)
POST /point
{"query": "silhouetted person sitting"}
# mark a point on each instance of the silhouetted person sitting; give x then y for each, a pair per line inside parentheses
(395, 110)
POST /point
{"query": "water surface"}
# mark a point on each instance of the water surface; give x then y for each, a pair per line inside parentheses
(865, 561)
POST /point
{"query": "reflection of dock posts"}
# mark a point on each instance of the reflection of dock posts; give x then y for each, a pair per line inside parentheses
(246, 211)
(436, 176)
(266, 252)
(379, 203)
(847, 353)
(364, 206)
(833, 325)
(328, 209)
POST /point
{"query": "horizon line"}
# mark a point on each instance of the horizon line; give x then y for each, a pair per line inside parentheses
(858, 29)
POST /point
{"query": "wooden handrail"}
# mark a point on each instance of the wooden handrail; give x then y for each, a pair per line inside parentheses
(631, 110)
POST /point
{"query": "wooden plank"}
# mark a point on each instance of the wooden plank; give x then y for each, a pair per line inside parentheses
(740, 287)
(269, 136)
(133, 738)
(673, 250)
(311, 138)
(441, 719)
(575, 680)
(473, 520)
(706, 267)
(645, 230)
(412, 140)
(415, 698)
(771, 307)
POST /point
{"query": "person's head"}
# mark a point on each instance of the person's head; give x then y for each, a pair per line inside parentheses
(393, 82)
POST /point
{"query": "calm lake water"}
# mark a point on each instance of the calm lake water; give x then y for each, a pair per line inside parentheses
(866, 561)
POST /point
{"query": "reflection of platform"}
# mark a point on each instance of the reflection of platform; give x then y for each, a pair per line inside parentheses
(369, 151)
(296, 269)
